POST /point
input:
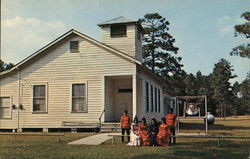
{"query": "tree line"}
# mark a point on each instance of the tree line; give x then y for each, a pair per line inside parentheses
(161, 57)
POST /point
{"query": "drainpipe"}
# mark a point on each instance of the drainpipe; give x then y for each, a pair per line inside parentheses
(18, 97)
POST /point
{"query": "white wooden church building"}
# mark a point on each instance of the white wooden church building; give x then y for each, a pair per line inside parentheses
(75, 78)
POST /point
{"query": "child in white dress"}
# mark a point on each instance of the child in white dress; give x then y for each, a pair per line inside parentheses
(134, 135)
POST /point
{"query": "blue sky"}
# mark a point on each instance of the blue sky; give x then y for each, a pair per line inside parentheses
(203, 29)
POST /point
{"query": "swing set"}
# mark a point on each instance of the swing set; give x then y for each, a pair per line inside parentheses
(189, 107)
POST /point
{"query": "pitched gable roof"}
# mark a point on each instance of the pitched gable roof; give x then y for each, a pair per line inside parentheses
(72, 31)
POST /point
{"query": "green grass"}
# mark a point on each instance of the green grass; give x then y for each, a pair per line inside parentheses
(47, 147)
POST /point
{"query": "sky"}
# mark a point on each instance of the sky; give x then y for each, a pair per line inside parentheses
(203, 29)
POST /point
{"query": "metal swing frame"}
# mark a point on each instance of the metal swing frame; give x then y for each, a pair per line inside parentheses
(177, 110)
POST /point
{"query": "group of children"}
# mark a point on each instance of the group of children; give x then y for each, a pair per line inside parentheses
(155, 134)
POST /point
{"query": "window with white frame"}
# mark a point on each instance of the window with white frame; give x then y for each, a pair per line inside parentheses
(118, 30)
(5, 107)
(156, 103)
(159, 100)
(152, 98)
(39, 98)
(79, 103)
(147, 96)
(74, 46)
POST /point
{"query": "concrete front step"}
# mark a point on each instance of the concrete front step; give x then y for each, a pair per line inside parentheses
(110, 130)
(110, 127)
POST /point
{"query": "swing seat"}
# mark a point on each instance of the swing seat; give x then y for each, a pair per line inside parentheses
(192, 109)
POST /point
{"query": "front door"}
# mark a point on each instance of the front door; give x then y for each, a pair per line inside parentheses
(123, 102)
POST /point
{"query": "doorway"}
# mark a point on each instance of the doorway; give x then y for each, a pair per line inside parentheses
(123, 102)
(118, 97)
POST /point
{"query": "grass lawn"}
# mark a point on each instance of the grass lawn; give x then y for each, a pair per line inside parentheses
(47, 147)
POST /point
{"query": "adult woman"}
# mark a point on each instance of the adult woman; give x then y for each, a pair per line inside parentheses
(153, 131)
(164, 132)
(143, 131)
(134, 135)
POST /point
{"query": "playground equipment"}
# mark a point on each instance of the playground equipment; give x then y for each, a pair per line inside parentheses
(210, 118)
(190, 107)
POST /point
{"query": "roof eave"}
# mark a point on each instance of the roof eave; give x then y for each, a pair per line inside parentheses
(104, 24)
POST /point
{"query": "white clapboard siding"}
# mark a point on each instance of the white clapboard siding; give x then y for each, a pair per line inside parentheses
(109, 101)
(8, 88)
(146, 76)
(124, 44)
(59, 69)
(138, 45)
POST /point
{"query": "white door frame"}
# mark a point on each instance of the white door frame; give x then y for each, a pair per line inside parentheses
(134, 87)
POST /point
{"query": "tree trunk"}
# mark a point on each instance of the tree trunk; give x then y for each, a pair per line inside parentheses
(225, 111)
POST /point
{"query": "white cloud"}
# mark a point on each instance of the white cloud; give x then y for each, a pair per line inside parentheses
(226, 24)
(241, 67)
(23, 36)
(8, 6)
(227, 29)
(240, 20)
(224, 19)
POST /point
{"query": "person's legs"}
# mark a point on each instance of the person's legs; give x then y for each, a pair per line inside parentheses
(123, 132)
(128, 133)
(153, 140)
(172, 139)
(173, 132)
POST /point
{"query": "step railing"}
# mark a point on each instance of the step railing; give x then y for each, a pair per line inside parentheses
(100, 119)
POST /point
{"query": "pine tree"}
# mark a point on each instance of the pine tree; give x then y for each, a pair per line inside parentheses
(158, 46)
(190, 85)
(245, 95)
(5, 66)
(243, 29)
(222, 93)
(237, 99)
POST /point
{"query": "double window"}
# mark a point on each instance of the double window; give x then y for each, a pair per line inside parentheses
(39, 98)
(79, 103)
(78, 98)
(5, 107)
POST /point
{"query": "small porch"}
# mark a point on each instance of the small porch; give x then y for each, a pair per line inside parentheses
(119, 95)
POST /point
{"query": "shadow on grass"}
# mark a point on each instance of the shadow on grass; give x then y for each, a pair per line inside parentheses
(201, 126)
(209, 149)
(155, 156)
(197, 148)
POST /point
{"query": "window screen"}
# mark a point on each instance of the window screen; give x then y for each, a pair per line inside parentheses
(118, 30)
(156, 103)
(79, 98)
(5, 108)
(152, 98)
(159, 100)
(74, 46)
(39, 98)
(147, 96)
